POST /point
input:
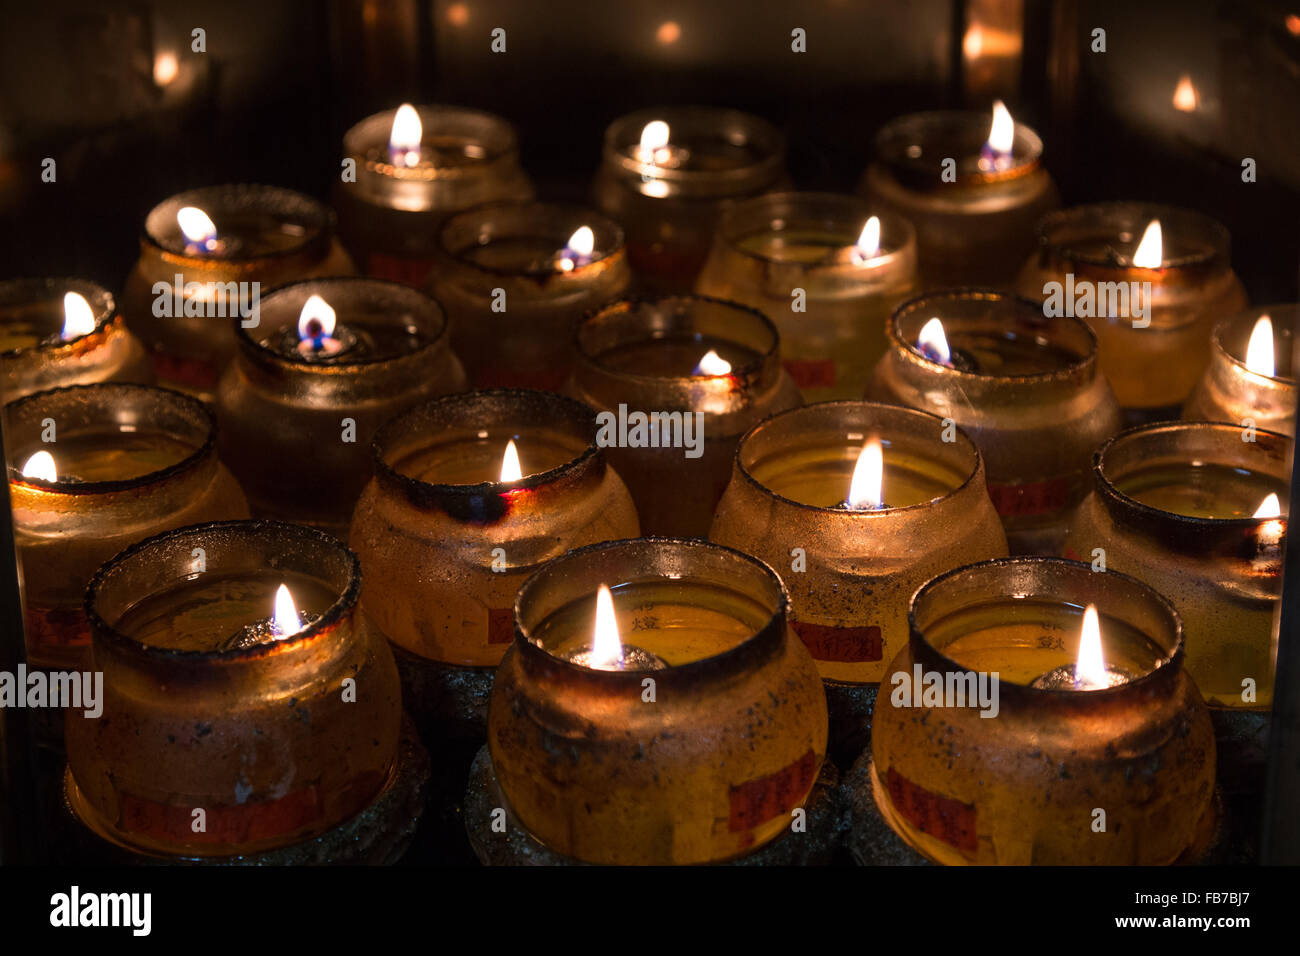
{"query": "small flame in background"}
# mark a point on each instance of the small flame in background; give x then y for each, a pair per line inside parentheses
(78, 317)
(711, 363)
(1090, 668)
(606, 645)
(1186, 99)
(933, 343)
(1270, 532)
(1150, 252)
(1259, 353)
(285, 621)
(510, 469)
(406, 136)
(317, 320)
(866, 487)
(996, 153)
(578, 249)
(868, 244)
(165, 68)
(197, 227)
(669, 32)
(41, 466)
(654, 142)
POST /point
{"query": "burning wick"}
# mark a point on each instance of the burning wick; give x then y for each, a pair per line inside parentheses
(866, 487)
(868, 244)
(1089, 672)
(995, 154)
(712, 364)
(933, 343)
(608, 652)
(1271, 531)
(41, 466)
(1259, 353)
(316, 324)
(654, 144)
(406, 136)
(285, 621)
(78, 319)
(510, 470)
(199, 231)
(1151, 250)
(577, 251)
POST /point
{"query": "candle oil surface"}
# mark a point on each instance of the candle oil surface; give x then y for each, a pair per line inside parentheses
(438, 152)
(477, 459)
(1008, 355)
(211, 611)
(806, 246)
(821, 474)
(28, 325)
(370, 338)
(522, 254)
(1204, 490)
(673, 357)
(110, 454)
(1024, 639)
(244, 232)
(675, 620)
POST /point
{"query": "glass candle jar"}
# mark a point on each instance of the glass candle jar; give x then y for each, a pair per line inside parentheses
(1251, 386)
(1026, 786)
(48, 342)
(514, 277)
(1153, 329)
(1025, 388)
(447, 535)
(1174, 504)
(277, 727)
(390, 209)
(974, 218)
(851, 571)
(126, 461)
(814, 263)
(661, 761)
(297, 420)
(667, 174)
(670, 416)
(185, 287)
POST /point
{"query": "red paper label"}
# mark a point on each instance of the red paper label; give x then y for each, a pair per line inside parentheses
(244, 823)
(187, 372)
(405, 269)
(57, 627)
(1072, 554)
(842, 644)
(501, 625)
(943, 818)
(756, 801)
(1030, 498)
(811, 373)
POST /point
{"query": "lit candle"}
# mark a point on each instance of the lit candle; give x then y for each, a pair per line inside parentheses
(1089, 672)
(607, 651)
(1251, 376)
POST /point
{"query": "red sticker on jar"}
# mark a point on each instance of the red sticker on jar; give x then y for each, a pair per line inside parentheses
(245, 823)
(811, 373)
(189, 373)
(501, 625)
(1031, 497)
(406, 270)
(756, 801)
(943, 818)
(56, 627)
(845, 645)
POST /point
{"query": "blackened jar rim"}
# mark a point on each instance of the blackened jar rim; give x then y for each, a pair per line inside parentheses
(894, 137)
(1140, 213)
(850, 514)
(205, 451)
(418, 488)
(765, 641)
(101, 629)
(105, 315)
(890, 223)
(320, 230)
(1172, 521)
(591, 218)
(375, 131)
(750, 370)
(270, 356)
(1250, 316)
(1166, 669)
(909, 352)
(767, 138)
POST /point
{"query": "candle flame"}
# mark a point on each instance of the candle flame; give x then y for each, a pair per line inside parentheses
(654, 137)
(580, 246)
(1150, 252)
(78, 318)
(972, 43)
(933, 343)
(711, 363)
(317, 319)
(1090, 669)
(285, 620)
(1186, 99)
(868, 245)
(406, 136)
(197, 226)
(1270, 532)
(1259, 353)
(165, 68)
(1002, 133)
(868, 478)
(41, 465)
(606, 645)
(510, 470)
(1270, 507)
